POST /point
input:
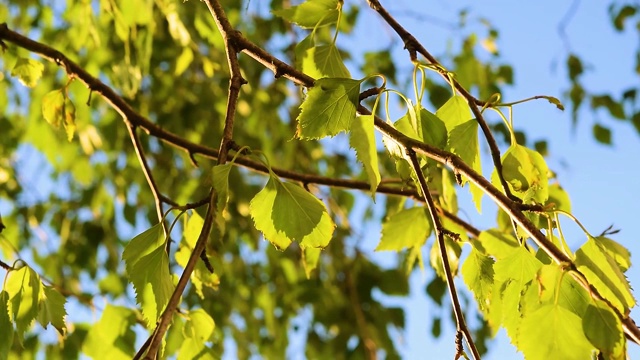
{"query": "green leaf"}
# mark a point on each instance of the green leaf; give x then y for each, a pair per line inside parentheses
(463, 141)
(51, 310)
(511, 275)
(477, 273)
(184, 60)
(434, 131)
(553, 332)
(311, 13)
(6, 340)
(58, 109)
(28, 71)
(23, 287)
(310, 258)
(619, 253)
(602, 271)
(320, 61)
(527, 173)
(602, 134)
(141, 245)
(615, 108)
(559, 197)
(153, 283)
(329, 108)
(285, 212)
(604, 330)
(147, 265)
(454, 112)
(112, 337)
(405, 229)
(497, 243)
(201, 277)
(362, 139)
(198, 330)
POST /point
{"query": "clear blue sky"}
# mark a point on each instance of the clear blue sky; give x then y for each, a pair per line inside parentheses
(600, 180)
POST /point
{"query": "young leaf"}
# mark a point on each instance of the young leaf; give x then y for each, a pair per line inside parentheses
(320, 61)
(6, 340)
(28, 71)
(23, 287)
(619, 253)
(604, 330)
(51, 310)
(197, 331)
(434, 131)
(311, 13)
(463, 141)
(201, 277)
(151, 279)
(58, 109)
(112, 337)
(310, 258)
(477, 273)
(362, 139)
(184, 60)
(453, 255)
(147, 265)
(602, 271)
(497, 243)
(405, 229)
(527, 173)
(285, 212)
(454, 112)
(329, 108)
(559, 330)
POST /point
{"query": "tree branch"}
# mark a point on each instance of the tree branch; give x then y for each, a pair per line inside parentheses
(440, 232)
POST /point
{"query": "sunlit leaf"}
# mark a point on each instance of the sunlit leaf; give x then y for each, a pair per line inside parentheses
(201, 276)
(453, 250)
(51, 309)
(463, 141)
(221, 185)
(6, 340)
(559, 330)
(197, 331)
(619, 253)
(320, 61)
(527, 173)
(23, 287)
(405, 229)
(329, 108)
(604, 330)
(28, 71)
(477, 273)
(497, 244)
(285, 212)
(602, 271)
(362, 139)
(112, 337)
(311, 13)
(310, 258)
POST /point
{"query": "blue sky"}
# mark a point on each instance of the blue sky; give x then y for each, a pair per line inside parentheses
(600, 180)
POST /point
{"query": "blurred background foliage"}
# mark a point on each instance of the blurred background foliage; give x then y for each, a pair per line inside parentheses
(69, 207)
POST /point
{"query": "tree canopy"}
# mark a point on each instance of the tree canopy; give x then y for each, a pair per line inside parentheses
(183, 179)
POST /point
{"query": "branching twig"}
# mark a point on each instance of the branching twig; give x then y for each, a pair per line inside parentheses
(440, 232)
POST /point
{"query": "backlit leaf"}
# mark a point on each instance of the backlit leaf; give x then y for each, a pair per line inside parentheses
(559, 330)
(23, 287)
(329, 108)
(604, 330)
(477, 273)
(463, 141)
(28, 71)
(285, 212)
(453, 256)
(112, 337)
(57, 108)
(51, 309)
(201, 276)
(310, 258)
(320, 61)
(197, 331)
(602, 271)
(6, 340)
(405, 229)
(362, 139)
(311, 13)
(527, 173)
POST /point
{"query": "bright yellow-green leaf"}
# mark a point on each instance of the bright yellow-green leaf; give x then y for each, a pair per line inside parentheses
(463, 141)
(112, 337)
(454, 112)
(405, 229)
(6, 340)
(434, 131)
(28, 71)
(142, 245)
(329, 108)
(57, 108)
(201, 276)
(497, 244)
(310, 258)
(23, 287)
(553, 332)
(526, 172)
(477, 273)
(320, 61)
(604, 330)
(619, 253)
(153, 283)
(285, 212)
(602, 271)
(311, 13)
(183, 61)
(559, 197)
(197, 331)
(362, 139)
(221, 185)
(51, 309)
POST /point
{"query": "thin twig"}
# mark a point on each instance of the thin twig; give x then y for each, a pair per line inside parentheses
(440, 234)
